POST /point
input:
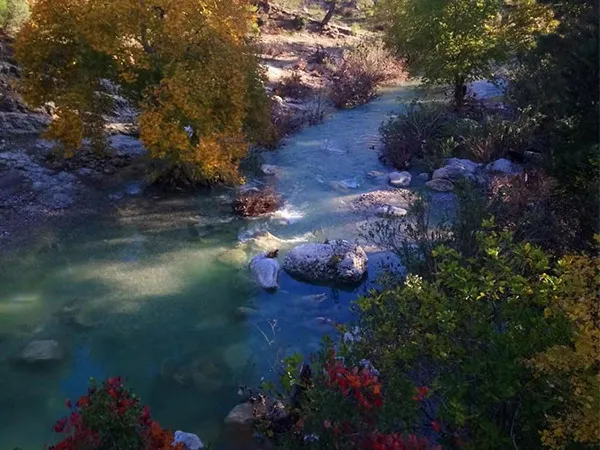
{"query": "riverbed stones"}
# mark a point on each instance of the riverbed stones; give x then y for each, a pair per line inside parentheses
(265, 271)
(190, 441)
(504, 166)
(40, 352)
(457, 169)
(336, 261)
(440, 185)
(423, 176)
(400, 179)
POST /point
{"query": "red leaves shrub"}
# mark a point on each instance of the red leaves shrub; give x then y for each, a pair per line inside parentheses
(343, 407)
(110, 416)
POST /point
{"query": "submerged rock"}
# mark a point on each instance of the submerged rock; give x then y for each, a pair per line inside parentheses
(440, 185)
(235, 257)
(189, 440)
(375, 174)
(400, 179)
(424, 176)
(338, 261)
(46, 351)
(265, 270)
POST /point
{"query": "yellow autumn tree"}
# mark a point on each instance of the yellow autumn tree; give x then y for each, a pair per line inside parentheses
(574, 369)
(188, 65)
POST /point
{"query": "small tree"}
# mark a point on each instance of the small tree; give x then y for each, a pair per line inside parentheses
(13, 14)
(454, 42)
(186, 64)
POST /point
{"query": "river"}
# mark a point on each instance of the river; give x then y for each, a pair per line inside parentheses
(149, 295)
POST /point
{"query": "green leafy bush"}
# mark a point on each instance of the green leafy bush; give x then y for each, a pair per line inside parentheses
(468, 334)
(432, 132)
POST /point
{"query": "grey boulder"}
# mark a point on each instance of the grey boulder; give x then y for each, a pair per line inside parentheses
(189, 440)
(46, 351)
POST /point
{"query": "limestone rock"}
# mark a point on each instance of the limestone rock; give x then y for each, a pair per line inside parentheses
(400, 179)
(504, 166)
(190, 441)
(265, 270)
(337, 261)
(440, 185)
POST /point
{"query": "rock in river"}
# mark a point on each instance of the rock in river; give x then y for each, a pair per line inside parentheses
(266, 271)
(190, 441)
(440, 185)
(338, 261)
(400, 179)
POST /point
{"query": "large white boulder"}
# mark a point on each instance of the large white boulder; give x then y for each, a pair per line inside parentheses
(265, 270)
(338, 261)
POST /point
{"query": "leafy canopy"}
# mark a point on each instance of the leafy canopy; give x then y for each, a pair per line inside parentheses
(187, 64)
(453, 42)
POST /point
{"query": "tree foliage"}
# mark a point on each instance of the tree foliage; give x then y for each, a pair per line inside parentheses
(559, 81)
(13, 14)
(187, 64)
(457, 41)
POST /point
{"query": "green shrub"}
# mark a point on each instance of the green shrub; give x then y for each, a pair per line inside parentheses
(415, 133)
(467, 336)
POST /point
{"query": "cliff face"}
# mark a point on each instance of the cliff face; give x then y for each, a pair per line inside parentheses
(15, 117)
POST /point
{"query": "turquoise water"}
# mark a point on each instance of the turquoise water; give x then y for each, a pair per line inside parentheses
(145, 293)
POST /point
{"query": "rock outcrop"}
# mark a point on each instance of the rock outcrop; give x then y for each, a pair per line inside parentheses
(265, 270)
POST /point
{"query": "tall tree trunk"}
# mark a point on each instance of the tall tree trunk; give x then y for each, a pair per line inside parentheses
(460, 90)
(329, 15)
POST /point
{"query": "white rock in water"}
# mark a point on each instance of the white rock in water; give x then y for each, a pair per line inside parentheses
(424, 176)
(266, 271)
(390, 211)
(400, 179)
(190, 441)
(41, 352)
(504, 166)
(339, 261)
(440, 185)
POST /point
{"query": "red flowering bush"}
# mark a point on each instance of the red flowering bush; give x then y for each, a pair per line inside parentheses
(111, 417)
(336, 406)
